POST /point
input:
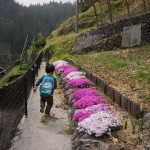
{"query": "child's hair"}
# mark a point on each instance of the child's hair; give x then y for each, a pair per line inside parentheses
(49, 68)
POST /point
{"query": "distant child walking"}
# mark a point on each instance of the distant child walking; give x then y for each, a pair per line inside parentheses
(48, 84)
(47, 55)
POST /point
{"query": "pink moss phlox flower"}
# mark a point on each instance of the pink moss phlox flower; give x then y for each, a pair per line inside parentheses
(87, 101)
(99, 123)
(82, 92)
(82, 114)
(62, 67)
(68, 70)
(82, 82)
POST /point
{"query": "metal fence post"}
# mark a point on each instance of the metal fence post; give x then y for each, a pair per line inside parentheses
(39, 63)
(26, 97)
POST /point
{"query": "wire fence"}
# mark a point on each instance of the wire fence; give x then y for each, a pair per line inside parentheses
(14, 105)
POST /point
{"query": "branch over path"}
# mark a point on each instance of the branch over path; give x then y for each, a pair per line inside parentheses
(40, 133)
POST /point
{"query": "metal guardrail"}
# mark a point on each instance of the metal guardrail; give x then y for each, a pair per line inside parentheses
(25, 58)
(14, 104)
(24, 49)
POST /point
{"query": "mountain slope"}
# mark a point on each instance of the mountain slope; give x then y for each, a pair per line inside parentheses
(17, 21)
(5, 56)
(87, 22)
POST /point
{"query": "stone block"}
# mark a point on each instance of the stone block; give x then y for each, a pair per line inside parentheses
(131, 35)
(146, 120)
(103, 146)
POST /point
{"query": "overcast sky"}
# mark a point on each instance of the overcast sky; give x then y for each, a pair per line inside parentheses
(28, 2)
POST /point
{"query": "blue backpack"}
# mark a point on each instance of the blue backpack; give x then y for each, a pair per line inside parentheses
(47, 86)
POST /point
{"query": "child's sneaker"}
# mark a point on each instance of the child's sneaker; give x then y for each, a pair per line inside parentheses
(42, 109)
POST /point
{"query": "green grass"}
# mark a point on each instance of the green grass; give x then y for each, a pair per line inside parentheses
(135, 62)
(61, 46)
(126, 69)
(109, 60)
(147, 99)
(106, 59)
(143, 75)
(13, 72)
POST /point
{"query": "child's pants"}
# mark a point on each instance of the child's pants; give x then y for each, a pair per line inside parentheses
(47, 60)
(49, 101)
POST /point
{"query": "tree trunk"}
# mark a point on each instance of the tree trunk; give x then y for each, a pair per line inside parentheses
(77, 16)
(95, 15)
(101, 11)
(109, 10)
(144, 5)
(128, 7)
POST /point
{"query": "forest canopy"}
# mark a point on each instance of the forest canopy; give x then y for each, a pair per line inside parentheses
(17, 21)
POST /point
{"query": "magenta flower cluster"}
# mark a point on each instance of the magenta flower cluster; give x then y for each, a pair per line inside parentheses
(94, 114)
(82, 114)
(69, 70)
(89, 100)
(81, 82)
(85, 91)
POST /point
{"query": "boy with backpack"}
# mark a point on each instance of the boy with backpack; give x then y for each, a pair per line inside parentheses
(47, 86)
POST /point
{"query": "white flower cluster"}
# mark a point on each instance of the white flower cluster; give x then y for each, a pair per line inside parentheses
(59, 63)
(99, 123)
(75, 75)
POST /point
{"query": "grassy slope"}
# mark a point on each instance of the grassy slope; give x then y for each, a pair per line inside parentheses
(62, 39)
(15, 72)
(11, 76)
(129, 66)
(61, 45)
(126, 70)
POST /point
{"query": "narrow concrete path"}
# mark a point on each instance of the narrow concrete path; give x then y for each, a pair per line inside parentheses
(40, 133)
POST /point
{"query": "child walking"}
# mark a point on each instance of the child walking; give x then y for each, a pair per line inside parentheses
(47, 55)
(48, 84)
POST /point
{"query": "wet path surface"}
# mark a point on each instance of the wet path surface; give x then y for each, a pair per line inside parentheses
(40, 133)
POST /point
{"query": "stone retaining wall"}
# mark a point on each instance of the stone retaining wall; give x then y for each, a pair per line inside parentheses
(97, 39)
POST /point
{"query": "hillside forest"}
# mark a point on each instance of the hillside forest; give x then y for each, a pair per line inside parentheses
(18, 21)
